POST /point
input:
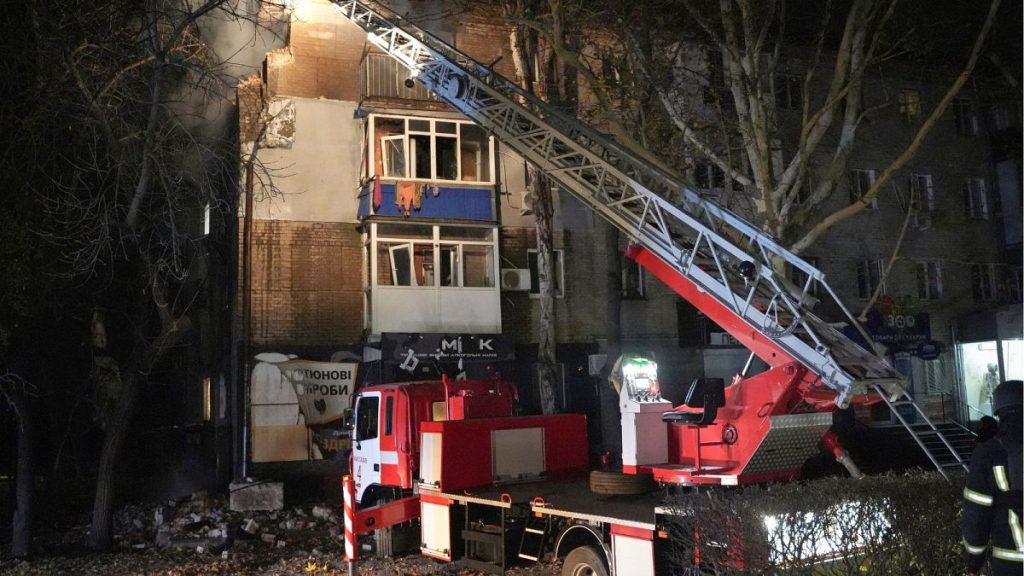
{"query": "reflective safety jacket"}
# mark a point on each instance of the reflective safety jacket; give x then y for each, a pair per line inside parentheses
(992, 513)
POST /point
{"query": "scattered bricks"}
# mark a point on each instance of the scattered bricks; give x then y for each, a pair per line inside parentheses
(324, 513)
(250, 526)
(268, 537)
(250, 496)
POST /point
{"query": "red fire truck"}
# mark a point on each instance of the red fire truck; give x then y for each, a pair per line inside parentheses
(489, 487)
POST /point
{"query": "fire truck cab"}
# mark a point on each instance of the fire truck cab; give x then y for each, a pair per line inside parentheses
(386, 434)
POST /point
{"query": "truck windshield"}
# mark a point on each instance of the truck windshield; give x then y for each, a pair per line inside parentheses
(366, 417)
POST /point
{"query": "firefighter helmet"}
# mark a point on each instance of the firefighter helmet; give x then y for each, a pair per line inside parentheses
(1009, 394)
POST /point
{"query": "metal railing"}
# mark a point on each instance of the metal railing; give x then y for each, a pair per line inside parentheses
(381, 76)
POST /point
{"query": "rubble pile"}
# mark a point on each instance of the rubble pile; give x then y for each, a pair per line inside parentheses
(201, 536)
(205, 524)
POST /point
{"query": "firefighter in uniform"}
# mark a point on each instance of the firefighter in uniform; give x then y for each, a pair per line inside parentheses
(992, 498)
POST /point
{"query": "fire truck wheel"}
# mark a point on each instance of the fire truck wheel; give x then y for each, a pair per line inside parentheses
(584, 561)
(617, 483)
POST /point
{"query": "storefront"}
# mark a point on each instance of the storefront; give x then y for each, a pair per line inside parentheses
(990, 349)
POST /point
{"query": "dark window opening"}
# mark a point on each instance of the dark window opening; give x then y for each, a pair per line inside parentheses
(366, 418)
(389, 414)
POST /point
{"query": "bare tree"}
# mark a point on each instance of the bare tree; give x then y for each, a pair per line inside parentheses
(709, 93)
(16, 392)
(127, 85)
(528, 55)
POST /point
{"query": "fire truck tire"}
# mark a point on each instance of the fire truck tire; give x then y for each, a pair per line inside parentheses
(584, 561)
(618, 483)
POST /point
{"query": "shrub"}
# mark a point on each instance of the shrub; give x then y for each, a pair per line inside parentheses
(894, 524)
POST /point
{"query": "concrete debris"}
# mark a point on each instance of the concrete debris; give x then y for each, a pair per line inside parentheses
(324, 513)
(206, 524)
(250, 526)
(256, 496)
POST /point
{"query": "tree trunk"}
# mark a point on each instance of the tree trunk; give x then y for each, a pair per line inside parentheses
(524, 55)
(21, 534)
(547, 366)
(611, 422)
(101, 533)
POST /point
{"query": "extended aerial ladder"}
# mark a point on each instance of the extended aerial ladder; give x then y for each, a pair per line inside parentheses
(711, 256)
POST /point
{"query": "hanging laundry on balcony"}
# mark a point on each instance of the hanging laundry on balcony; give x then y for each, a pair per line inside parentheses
(407, 197)
(378, 194)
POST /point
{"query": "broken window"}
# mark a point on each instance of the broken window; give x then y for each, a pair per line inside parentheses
(432, 150)
(429, 256)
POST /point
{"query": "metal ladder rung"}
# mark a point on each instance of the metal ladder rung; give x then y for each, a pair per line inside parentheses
(534, 531)
(905, 400)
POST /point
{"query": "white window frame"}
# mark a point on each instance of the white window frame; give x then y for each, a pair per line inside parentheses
(976, 198)
(856, 193)
(384, 140)
(433, 134)
(864, 270)
(924, 186)
(437, 242)
(558, 264)
(929, 280)
(394, 265)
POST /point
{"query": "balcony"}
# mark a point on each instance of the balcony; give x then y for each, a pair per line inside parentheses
(383, 78)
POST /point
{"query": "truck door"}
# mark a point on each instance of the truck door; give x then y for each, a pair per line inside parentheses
(366, 436)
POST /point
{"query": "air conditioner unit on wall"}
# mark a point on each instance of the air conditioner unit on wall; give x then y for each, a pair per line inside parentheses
(515, 279)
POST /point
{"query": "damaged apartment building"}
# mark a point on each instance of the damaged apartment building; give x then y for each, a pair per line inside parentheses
(391, 233)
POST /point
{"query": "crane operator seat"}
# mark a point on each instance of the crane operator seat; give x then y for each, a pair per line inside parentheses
(706, 393)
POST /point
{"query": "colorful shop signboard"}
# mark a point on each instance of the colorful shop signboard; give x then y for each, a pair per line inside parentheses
(902, 327)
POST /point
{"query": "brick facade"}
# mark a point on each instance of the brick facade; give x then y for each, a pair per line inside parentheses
(307, 286)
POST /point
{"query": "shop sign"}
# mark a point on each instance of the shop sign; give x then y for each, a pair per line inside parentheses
(900, 326)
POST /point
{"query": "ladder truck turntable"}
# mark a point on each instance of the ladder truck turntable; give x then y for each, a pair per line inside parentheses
(489, 487)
